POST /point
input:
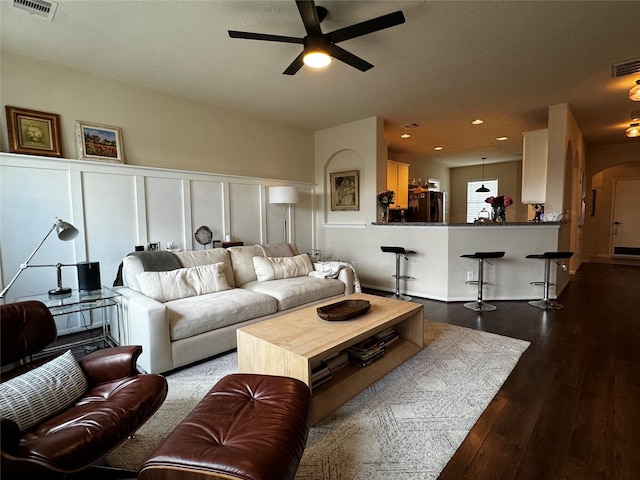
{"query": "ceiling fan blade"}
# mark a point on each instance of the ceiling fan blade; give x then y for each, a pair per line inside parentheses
(264, 36)
(349, 58)
(309, 14)
(295, 65)
(369, 26)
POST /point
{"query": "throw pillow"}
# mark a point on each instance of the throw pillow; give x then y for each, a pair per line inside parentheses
(183, 282)
(275, 268)
(42, 392)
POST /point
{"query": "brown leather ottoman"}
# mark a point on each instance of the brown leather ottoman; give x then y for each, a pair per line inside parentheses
(248, 426)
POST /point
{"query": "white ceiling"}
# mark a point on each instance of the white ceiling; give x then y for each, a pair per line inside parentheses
(451, 62)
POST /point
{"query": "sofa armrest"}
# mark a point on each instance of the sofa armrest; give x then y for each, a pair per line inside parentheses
(346, 277)
(111, 363)
(146, 323)
(343, 271)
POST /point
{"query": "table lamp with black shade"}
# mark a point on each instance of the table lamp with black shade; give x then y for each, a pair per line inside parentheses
(65, 232)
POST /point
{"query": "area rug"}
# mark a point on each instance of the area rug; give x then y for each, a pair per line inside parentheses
(405, 426)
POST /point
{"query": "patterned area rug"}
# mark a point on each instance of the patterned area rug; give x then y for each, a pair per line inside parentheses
(406, 426)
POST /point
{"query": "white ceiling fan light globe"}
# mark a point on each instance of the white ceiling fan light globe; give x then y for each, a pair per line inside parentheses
(317, 59)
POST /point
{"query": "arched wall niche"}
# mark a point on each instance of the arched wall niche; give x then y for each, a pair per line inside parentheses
(343, 161)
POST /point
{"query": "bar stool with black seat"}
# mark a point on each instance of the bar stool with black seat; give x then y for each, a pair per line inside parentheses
(545, 303)
(400, 252)
(479, 305)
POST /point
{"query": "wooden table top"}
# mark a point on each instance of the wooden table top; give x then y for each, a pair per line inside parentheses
(303, 332)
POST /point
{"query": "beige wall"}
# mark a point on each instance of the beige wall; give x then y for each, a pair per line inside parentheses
(159, 130)
(509, 175)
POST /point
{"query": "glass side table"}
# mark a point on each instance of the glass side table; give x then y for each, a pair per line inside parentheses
(103, 301)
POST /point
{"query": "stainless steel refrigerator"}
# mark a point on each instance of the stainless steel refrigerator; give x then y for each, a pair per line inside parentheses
(425, 207)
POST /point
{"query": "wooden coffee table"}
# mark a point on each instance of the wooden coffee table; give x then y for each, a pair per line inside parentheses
(295, 343)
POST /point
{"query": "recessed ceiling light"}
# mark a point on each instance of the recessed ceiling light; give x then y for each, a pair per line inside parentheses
(633, 131)
(405, 135)
(502, 139)
(438, 148)
(478, 121)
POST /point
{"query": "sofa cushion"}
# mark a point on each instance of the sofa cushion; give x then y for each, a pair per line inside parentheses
(138, 262)
(42, 392)
(195, 258)
(292, 292)
(183, 283)
(279, 249)
(195, 315)
(242, 262)
(275, 268)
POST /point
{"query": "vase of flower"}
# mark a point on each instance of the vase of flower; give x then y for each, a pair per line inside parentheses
(499, 206)
(499, 213)
(385, 199)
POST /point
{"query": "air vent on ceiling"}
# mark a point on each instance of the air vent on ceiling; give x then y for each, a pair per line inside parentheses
(626, 68)
(409, 125)
(40, 8)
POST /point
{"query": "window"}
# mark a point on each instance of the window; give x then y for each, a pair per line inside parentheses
(476, 200)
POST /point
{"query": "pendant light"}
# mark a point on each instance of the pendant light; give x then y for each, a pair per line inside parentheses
(483, 189)
(634, 129)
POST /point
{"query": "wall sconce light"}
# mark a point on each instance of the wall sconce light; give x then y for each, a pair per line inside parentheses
(285, 195)
(65, 232)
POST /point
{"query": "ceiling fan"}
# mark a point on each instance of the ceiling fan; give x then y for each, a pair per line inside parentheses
(320, 47)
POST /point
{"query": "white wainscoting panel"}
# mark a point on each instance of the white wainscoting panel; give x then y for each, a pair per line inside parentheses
(207, 209)
(110, 220)
(31, 199)
(165, 210)
(303, 221)
(116, 207)
(245, 213)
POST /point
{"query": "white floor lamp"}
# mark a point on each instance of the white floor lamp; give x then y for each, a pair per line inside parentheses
(287, 196)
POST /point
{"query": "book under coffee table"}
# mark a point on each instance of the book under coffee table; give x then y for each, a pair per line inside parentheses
(296, 343)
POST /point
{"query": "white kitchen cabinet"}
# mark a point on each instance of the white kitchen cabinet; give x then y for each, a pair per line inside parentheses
(534, 166)
(398, 181)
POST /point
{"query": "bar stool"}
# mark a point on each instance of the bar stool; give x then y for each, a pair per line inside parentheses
(400, 252)
(479, 305)
(545, 303)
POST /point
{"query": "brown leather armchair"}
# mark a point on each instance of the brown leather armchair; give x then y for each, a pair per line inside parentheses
(118, 401)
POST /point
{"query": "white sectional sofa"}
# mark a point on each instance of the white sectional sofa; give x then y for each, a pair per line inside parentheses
(186, 306)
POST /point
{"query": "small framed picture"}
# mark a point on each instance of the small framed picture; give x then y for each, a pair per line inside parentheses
(33, 133)
(154, 247)
(345, 190)
(99, 142)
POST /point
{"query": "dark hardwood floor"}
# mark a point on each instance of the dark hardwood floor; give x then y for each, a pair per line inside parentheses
(571, 407)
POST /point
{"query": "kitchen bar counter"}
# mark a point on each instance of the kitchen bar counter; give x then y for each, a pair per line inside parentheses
(476, 224)
(437, 269)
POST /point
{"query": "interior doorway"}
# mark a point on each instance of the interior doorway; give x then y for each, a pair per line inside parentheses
(625, 228)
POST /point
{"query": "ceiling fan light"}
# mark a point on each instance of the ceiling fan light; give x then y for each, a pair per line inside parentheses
(482, 189)
(317, 59)
(634, 93)
(633, 131)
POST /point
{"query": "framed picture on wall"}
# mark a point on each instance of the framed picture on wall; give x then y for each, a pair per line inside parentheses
(345, 190)
(99, 142)
(33, 133)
